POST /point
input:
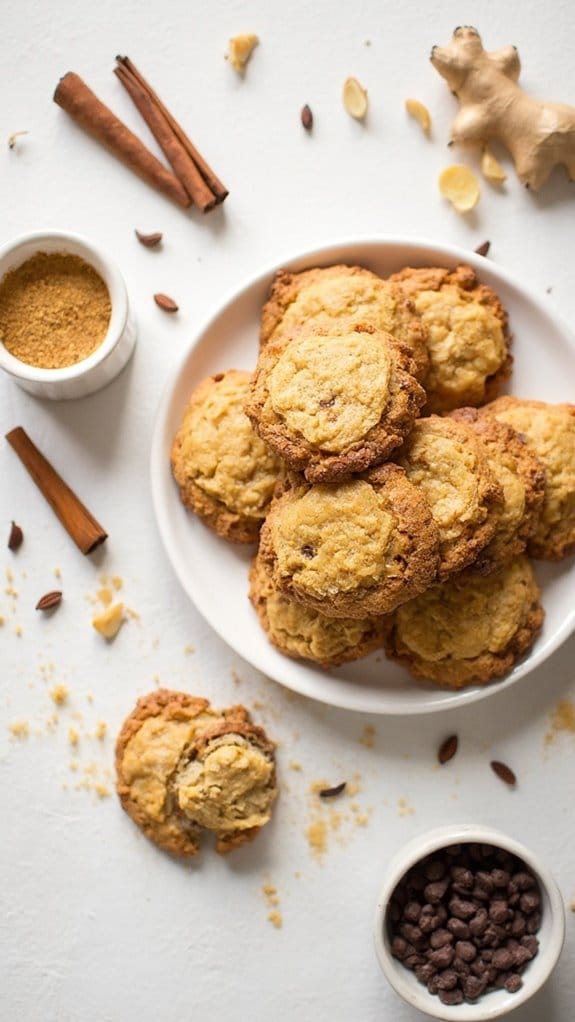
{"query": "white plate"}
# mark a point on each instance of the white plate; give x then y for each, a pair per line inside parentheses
(214, 573)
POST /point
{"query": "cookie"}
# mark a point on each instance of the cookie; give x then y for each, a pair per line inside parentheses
(334, 404)
(521, 476)
(351, 550)
(164, 735)
(446, 461)
(550, 432)
(471, 629)
(303, 633)
(225, 472)
(336, 299)
(467, 335)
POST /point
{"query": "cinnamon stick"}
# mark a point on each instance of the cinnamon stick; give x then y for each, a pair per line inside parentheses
(74, 96)
(183, 166)
(86, 532)
(219, 190)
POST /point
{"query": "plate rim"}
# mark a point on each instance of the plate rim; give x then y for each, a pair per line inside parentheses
(457, 698)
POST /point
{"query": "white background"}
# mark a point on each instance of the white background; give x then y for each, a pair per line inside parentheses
(98, 925)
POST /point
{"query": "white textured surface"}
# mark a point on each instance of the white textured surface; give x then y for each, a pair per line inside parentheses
(98, 926)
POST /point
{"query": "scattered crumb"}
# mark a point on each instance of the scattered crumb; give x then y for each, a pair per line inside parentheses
(316, 835)
(235, 678)
(133, 614)
(189, 649)
(18, 631)
(105, 596)
(73, 765)
(101, 729)
(90, 697)
(20, 729)
(59, 694)
(117, 582)
(73, 736)
(403, 808)
(562, 719)
(102, 790)
(368, 736)
(294, 765)
(271, 895)
(2, 621)
(57, 573)
(275, 919)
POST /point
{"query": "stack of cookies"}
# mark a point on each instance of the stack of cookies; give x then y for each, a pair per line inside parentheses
(395, 495)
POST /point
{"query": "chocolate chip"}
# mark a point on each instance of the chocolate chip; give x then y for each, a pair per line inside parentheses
(523, 881)
(462, 909)
(533, 922)
(411, 933)
(500, 877)
(479, 923)
(399, 948)
(434, 892)
(440, 938)
(529, 901)
(435, 870)
(458, 928)
(466, 950)
(412, 911)
(499, 911)
(473, 987)
(442, 957)
(425, 972)
(513, 983)
(447, 980)
(461, 876)
(531, 943)
(410, 961)
(503, 958)
(451, 996)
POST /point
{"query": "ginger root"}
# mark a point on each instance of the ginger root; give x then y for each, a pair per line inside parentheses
(538, 135)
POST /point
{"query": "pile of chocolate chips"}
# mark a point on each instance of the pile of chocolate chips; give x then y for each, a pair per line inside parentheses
(464, 920)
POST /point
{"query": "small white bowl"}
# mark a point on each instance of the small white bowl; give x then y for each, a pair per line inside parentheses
(110, 356)
(499, 1002)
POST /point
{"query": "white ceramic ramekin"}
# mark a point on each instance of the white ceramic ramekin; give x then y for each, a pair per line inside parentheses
(499, 1002)
(110, 356)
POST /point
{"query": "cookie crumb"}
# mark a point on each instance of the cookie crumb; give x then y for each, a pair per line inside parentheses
(189, 649)
(102, 790)
(403, 808)
(294, 765)
(59, 694)
(316, 835)
(20, 729)
(562, 719)
(101, 729)
(73, 736)
(275, 919)
(368, 736)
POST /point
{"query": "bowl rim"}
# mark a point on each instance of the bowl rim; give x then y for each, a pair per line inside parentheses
(411, 853)
(115, 283)
(329, 252)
